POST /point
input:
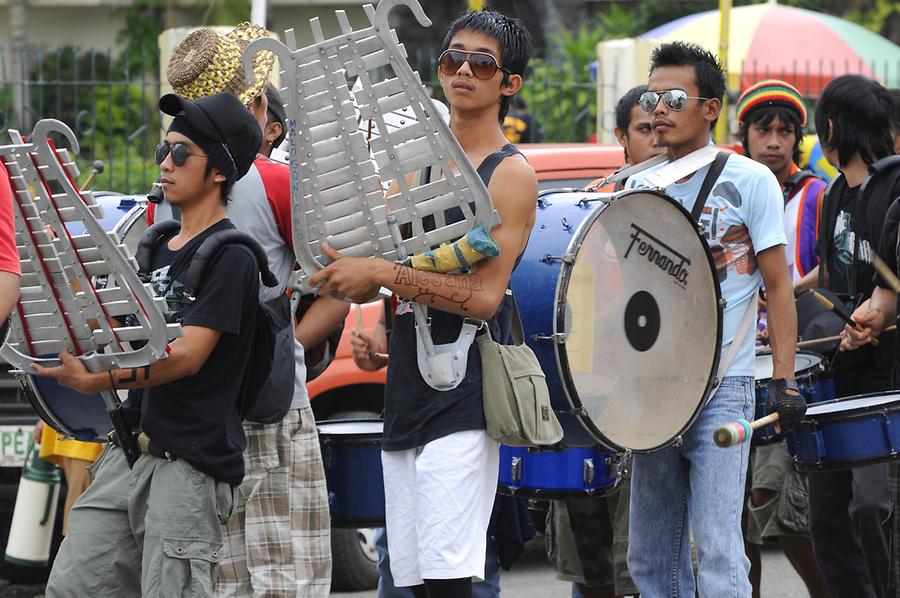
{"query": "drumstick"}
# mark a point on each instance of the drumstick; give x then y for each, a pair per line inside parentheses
(886, 273)
(740, 430)
(840, 313)
(96, 168)
(830, 339)
(383, 356)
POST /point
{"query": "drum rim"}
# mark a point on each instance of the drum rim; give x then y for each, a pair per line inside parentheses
(360, 438)
(855, 412)
(26, 381)
(562, 286)
(541, 494)
(802, 373)
(839, 464)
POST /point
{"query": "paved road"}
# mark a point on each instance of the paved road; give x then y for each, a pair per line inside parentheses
(533, 577)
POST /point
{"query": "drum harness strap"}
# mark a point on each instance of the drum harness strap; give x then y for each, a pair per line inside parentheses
(715, 171)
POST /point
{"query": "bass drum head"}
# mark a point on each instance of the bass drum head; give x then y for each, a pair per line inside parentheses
(640, 311)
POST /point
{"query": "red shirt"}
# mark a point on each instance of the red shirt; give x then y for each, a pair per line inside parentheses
(9, 253)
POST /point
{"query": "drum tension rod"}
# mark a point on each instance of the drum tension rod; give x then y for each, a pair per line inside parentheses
(566, 259)
(557, 337)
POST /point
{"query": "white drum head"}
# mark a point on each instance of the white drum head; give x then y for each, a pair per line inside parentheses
(352, 428)
(642, 319)
(803, 361)
(850, 404)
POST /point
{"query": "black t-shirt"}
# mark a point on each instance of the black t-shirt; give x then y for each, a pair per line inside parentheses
(415, 413)
(890, 243)
(854, 235)
(196, 417)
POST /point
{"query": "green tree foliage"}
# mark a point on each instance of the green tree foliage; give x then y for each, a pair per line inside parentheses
(560, 91)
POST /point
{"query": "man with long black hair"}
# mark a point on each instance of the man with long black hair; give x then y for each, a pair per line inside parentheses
(771, 115)
(693, 488)
(850, 509)
(440, 466)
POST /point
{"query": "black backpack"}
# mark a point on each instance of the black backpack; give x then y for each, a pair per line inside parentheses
(268, 386)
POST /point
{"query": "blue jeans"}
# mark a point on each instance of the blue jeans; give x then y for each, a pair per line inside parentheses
(489, 588)
(696, 489)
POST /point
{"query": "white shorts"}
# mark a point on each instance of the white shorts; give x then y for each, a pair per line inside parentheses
(438, 502)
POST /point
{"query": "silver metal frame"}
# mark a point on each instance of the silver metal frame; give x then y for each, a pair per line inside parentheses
(42, 179)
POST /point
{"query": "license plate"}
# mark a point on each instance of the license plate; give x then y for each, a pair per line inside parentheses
(15, 442)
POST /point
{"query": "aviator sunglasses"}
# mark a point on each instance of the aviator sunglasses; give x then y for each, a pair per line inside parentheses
(675, 99)
(179, 153)
(482, 64)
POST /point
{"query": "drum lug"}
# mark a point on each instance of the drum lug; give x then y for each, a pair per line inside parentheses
(701, 229)
(566, 259)
(679, 442)
(587, 472)
(580, 412)
(515, 469)
(557, 337)
(723, 303)
(565, 224)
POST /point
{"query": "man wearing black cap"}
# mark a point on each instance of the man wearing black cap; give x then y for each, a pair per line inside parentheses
(155, 530)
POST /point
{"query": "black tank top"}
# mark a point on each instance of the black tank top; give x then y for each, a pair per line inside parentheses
(415, 413)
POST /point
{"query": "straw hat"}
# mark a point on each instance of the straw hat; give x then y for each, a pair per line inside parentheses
(206, 63)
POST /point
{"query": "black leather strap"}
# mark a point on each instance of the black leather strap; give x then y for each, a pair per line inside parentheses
(712, 175)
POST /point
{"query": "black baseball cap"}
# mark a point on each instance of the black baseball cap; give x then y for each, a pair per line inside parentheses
(221, 126)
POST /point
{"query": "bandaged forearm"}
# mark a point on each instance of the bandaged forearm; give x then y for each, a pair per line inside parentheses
(459, 255)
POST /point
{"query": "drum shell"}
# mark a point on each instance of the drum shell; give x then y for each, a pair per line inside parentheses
(550, 284)
(75, 415)
(556, 473)
(353, 474)
(537, 272)
(847, 438)
(813, 388)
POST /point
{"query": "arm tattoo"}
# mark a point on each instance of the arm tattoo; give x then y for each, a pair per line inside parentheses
(132, 376)
(431, 286)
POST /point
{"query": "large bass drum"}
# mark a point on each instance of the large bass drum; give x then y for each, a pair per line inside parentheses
(619, 297)
(67, 411)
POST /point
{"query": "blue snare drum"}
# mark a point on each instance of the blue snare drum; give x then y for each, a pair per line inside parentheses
(847, 432)
(75, 415)
(351, 453)
(556, 473)
(620, 301)
(808, 367)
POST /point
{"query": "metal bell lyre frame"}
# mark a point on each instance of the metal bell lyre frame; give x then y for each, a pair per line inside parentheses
(336, 191)
(50, 316)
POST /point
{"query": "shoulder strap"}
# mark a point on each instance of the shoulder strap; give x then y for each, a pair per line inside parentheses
(211, 247)
(150, 241)
(795, 181)
(489, 164)
(829, 213)
(712, 175)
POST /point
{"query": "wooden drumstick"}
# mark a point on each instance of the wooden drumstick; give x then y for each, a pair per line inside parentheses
(812, 342)
(96, 168)
(383, 356)
(840, 313)
(886, 273)
(740, 430)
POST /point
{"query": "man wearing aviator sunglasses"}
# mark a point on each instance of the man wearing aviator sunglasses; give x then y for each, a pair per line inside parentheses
(695, 488)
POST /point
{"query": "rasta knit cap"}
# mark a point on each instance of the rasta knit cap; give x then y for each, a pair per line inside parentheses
(206, 63)
(770, 92)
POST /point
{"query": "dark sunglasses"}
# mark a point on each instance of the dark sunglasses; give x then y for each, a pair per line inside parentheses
(675, 99)
(179, 153)
(482, 64)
